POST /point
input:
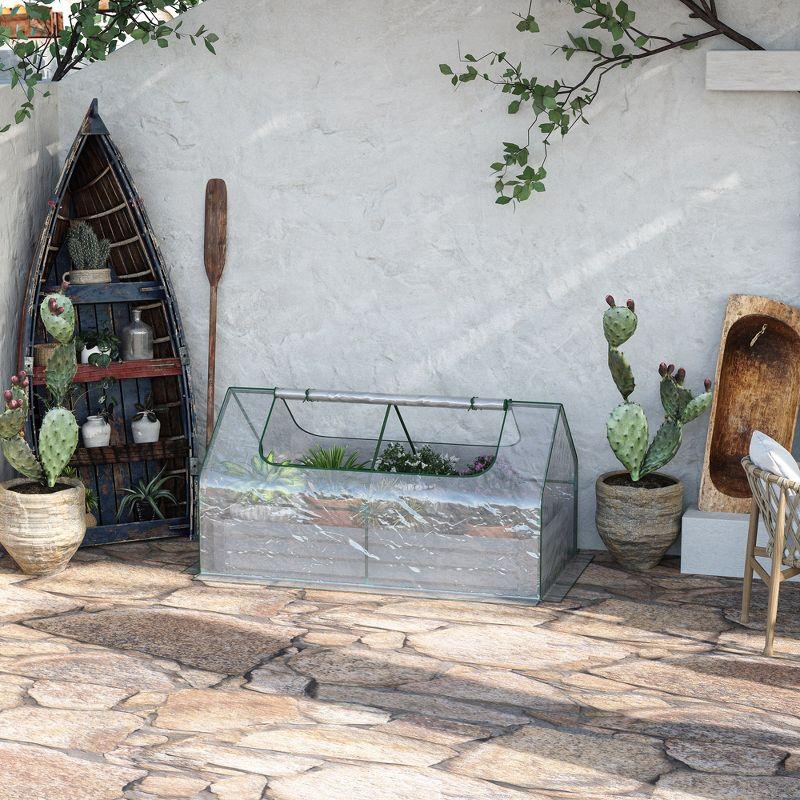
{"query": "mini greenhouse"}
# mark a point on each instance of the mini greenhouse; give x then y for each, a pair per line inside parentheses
(439, 496)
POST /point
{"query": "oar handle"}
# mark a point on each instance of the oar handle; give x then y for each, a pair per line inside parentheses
(212, 362)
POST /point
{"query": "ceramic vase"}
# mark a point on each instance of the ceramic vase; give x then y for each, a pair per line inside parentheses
(96, 432)
(144, 431)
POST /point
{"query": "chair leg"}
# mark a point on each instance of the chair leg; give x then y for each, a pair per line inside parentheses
(747, 589)
(775, 575)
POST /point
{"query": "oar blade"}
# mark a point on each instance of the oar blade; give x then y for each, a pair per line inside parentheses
(216, 235)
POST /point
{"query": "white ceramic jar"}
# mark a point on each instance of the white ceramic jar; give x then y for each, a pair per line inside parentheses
(144, 431)
(87, 352)
(96, 432)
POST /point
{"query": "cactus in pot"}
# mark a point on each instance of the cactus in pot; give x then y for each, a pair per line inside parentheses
(42, 515)
(639, 519)
(89, 255)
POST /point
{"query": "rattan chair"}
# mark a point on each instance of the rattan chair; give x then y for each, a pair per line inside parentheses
(777, 500)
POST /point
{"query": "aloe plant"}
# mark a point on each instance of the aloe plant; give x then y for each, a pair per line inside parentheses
(147, 494)
(334, 457)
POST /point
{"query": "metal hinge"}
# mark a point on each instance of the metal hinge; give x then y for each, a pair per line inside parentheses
(28, 364)
(184, 354)
(194, 466)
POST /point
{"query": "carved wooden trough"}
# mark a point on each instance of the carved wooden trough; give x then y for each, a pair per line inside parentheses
(757, 388)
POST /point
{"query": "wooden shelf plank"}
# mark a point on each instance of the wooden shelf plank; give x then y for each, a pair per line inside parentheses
(746, 71)
(121, 292)
(133, 531)
(121, 370)
(130, 453)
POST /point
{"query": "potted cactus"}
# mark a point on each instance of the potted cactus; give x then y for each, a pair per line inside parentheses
(639, 510)
(42, 514)
(89, 256)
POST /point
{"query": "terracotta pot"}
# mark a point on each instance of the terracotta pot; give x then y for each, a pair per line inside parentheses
(638, 525)
(82, 277)
(42, 531)
(42, 353)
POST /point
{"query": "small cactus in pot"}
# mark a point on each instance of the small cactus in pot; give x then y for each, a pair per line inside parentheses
(89, 254)
(42, 542)
(639, 519)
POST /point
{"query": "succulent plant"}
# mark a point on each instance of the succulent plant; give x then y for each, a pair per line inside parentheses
(627, 429)
(58, 436)
(85, 249)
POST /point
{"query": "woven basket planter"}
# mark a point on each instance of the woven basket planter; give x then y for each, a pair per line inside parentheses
(638, 525)
(83, 277)
(41, 532)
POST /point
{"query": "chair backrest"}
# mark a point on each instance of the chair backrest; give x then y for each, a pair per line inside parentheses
(767, 488)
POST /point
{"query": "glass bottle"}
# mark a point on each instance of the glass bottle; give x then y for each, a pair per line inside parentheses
(137, 339)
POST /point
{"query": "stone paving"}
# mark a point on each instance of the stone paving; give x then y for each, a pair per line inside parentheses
(125, 678)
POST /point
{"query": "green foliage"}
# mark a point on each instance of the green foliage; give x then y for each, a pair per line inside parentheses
(627, 429)
(553, 108)
(146, 409)
(264, 480)
(395, 458)
(333, 457)
(105, 341)
(86, 250)
(147, 494)
(90, 34)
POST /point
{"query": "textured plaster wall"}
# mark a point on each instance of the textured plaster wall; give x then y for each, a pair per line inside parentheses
(365, 248)
(28, 159)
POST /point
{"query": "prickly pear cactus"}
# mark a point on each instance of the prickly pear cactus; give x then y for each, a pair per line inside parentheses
(621, 372)
(619, 322)
(58, 439)
(663, 447)
(627, 428)
(696, 406)
(85, 249)
(61, 369)
(58, 316)
(18, 453)
(627, 433)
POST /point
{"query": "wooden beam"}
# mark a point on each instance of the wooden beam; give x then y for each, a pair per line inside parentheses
(121, 370)
(746, 71)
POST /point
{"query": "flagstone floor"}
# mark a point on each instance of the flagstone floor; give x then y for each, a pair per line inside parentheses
(123, 677)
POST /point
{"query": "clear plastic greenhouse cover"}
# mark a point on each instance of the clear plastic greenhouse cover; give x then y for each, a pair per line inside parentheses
(278, 507)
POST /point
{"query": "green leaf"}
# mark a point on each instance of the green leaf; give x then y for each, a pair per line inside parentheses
(513, 107)
(503, 200)
(596, 45)
(445, 70)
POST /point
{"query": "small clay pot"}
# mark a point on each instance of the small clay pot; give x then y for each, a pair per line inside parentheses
(637, 524)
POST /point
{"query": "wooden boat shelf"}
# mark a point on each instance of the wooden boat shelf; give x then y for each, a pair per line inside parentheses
(130, 453)
(121, 370)
(96, 187)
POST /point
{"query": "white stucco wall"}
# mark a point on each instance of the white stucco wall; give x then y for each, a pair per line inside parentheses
(365, 249)
(28, 158)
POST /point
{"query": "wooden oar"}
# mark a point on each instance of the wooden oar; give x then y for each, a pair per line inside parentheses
(216, 247)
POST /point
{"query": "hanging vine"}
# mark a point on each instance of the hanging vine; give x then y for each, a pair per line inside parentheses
(610, 39)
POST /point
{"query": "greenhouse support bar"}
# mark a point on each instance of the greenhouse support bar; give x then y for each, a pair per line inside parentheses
(428, 401)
